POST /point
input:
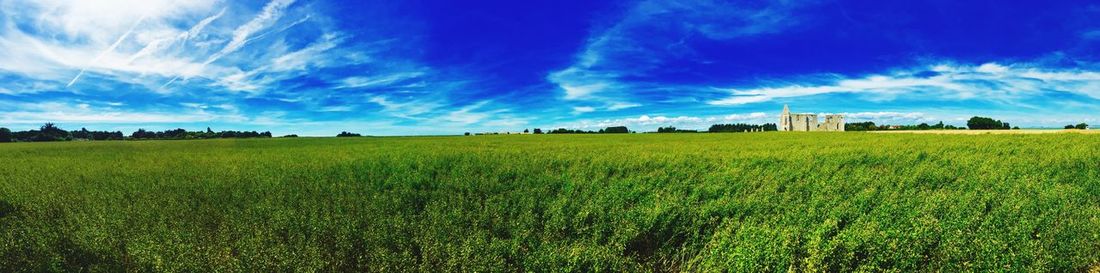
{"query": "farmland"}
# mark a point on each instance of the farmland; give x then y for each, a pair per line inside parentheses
(630, 202)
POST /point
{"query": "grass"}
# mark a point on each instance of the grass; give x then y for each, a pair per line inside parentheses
(669, 202)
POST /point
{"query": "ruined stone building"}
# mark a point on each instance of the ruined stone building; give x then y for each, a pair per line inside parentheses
(808, 122)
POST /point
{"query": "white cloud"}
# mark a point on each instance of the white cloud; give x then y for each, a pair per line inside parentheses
(648, 122)
(158, 43)
(266, 18)
(408, 109)
(37, 113)
(378, 80)
(583, 109)
(991, 81)
(629, 48)
(621, 105)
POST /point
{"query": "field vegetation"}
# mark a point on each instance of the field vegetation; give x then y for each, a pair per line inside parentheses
(750, 202)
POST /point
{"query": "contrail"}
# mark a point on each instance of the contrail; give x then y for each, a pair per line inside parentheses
(109, 49)
(270, 14)
(160, 44)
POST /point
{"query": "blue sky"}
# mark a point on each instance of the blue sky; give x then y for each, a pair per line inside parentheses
(447, 67)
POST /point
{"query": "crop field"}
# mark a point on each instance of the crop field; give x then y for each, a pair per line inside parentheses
(747, 202)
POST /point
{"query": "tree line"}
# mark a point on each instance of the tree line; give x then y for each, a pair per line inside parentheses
(671, 129)
(742, 127)
(871, 126)
(50, 132)
(608, 130)
(974, 123)
(1079, 126)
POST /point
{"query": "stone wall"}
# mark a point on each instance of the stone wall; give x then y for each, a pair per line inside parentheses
(832, 123)
(808, 122)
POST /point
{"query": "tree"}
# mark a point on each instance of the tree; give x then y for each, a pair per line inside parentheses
(467, 134)
(50, 132)
(741, 127)
(924, 126)
(860, 126)
(141, 134)
(1082, 126)
(538, 131)
(525, 131)
(348, 134)
(5, 135)
(616, 130)
(984, 123)
(1068, 127)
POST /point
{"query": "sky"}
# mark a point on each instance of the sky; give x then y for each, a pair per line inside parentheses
(425, 67)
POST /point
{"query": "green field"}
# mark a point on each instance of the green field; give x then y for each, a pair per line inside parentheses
(641, 202)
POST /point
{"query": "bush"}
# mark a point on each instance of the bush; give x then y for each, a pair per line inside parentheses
(348, 134)
(5, 135)
(984, 123)
(1082, 126)
(616, 130)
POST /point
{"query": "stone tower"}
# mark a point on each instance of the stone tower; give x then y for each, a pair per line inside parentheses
(785, 119)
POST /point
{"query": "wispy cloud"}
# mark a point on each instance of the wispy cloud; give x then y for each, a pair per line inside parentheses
(651, 122)
(108, 50)
(267, 17)
(84, 113)
(652, 33)
(991, 82)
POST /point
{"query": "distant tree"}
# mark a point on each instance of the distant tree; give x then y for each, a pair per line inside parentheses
(467, 133)
(525, 131)
(538, 131)
(50, 132)
(1068, 127)
(1016, 128)
(141, 134)
(860, 126)
(924, 126)
(6, 135)
(82, 134)
(1082, 126)
(741, 127)
(669, 129)
(348, 134)
(290, 136)
(938, 126)
(984, 123)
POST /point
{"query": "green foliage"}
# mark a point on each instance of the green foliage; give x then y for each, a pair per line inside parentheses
(792, 202)
(671, 129)
(616, 130)
(860, 126)
(984, 123)
(5, 135)
(348, 134)
(608, 130)
(870, 126)
(1081, 126)
(50, 132)
(741, 127)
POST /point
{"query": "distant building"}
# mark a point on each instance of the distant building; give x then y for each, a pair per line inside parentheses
(808, 122)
